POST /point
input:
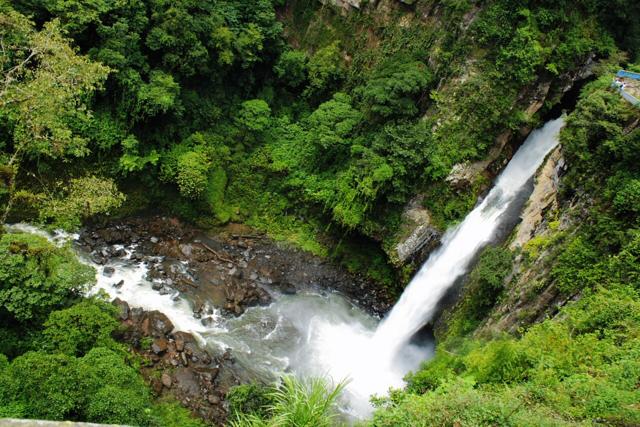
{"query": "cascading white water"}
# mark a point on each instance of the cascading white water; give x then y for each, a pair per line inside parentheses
(460, 244)
(376, 361)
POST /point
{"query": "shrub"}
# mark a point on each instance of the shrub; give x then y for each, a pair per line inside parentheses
(193, 168)
(76, 330)
(302, 403)
(37, 277)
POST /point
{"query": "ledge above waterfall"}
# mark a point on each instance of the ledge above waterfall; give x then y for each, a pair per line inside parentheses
(417, 232)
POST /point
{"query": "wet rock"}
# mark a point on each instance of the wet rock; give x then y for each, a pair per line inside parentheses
(123, 308)
(417, 231)
(286, 288)
(186, 250)
(156, 324)
(98, 259)
(108, 271)
(159, 345)
(156, 286)
(118, 285)
(166, 380)
(181, 338)
(119, 253)
(154, 240)
(137, 314)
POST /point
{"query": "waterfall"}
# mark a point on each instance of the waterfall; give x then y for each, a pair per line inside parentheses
(379, 360)
(460, 244)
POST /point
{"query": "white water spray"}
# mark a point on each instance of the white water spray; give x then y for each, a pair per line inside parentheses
(377, 361)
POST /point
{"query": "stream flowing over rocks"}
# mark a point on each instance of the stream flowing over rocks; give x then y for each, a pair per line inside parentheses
(211, 310)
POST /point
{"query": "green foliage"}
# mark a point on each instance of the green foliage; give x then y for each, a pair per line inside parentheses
(159, 95)
(393, 88)
(292, 68)
(115, 405)
(76, 330)
(36, 277)
(581, 364)
(325, 69)
(254, 115)
(83, 198)
(192, 174)
(483, 288)
(172, 414)
(295, 402)
(249, 399)
(45, 85)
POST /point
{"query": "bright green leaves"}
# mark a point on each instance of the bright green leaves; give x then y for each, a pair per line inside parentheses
(159, 95)
(254, 116)
(195, 166)
(44, 90)
(294, 402)
(333, 123)
(524, 54)
(76, 330)
(192, 174)
(131, 159)
(36, 277)
(249, 44)
(179, 33)
(98, 387)
(82, 198)
(77, 15)
(326, 69)
(329, 163)
(222, 38)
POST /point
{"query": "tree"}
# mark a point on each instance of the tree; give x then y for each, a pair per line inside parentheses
(76, 330)
(254, 116)
(82, 198)
(193, 168)
(325, 69)
(37, 277)
(44, 83)
(159, 95)
(392, 89)
(292, 68)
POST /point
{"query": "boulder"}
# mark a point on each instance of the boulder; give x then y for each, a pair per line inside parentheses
(166, 380)
(159, 345)
(418, 232)
(123, 308)
(156, 324)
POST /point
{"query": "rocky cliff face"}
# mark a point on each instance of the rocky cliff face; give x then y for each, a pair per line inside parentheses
(529, 294)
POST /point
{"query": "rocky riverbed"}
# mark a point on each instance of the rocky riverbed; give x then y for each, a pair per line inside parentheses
(218, 276)
(230, 269)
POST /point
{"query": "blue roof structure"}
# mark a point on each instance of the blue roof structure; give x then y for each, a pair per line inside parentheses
(623, 74)
(628, 74)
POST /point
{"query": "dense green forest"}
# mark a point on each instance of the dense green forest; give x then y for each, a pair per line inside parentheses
(316, 126)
